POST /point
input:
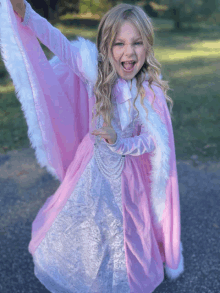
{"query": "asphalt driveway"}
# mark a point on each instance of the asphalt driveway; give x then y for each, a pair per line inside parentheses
(24, 187)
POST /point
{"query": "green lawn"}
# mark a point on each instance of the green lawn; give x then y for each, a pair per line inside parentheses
(190, 61)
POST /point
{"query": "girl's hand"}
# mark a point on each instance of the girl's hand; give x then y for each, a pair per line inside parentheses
(19, 6)
(108, 133)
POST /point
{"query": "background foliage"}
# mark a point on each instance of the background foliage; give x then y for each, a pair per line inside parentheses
(190, 61)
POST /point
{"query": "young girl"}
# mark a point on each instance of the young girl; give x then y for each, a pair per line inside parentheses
(115, 218)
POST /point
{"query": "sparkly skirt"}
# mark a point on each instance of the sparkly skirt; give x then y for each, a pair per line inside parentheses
(83, 251)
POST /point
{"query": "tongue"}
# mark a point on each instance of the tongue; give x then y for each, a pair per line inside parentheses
(128, 66)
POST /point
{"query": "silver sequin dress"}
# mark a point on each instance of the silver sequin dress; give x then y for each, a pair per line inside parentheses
(83, 251)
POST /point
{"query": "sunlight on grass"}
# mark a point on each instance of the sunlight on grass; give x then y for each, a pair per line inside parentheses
(9, 88)
(172, 55)
(194, 50)
(196, 71)
(87, 15)
(191, 63)
(73, 31)
(211, 45)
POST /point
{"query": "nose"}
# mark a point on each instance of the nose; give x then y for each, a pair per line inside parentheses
(129, 50)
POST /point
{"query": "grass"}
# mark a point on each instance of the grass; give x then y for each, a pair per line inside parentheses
(190, 61)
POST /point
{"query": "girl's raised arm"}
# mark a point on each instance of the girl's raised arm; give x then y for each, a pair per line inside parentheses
(52, 38)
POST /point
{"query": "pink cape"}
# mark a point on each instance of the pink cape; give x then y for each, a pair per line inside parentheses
(64, 136)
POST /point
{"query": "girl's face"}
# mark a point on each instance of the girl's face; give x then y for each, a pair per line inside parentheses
(128, 51)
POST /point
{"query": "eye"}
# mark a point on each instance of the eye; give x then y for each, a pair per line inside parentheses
(138, 43)
(119, 44)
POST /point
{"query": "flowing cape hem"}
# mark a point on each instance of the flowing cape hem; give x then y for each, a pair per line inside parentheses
(56, 148)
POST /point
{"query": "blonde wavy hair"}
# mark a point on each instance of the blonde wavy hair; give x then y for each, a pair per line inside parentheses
(107, 75)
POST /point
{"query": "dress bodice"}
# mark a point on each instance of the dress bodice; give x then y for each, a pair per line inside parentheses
(111, 161)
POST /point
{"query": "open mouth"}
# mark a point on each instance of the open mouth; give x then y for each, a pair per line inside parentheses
(128, 66)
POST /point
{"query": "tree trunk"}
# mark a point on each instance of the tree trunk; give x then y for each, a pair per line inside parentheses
(53, 11)
(176, 18)
(53, 14)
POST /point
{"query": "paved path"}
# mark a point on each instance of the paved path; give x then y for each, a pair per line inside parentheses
(24, 187)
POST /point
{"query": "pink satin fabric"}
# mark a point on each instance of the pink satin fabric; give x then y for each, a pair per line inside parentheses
(48, 91)
(69, 147)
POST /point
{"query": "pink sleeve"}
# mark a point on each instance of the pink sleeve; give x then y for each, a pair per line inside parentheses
(135, 146)
(52, 38)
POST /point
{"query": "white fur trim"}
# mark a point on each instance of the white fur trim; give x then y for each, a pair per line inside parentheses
(89, 67)
(89, 57)
(159, 157)
(15, 60)
(173, 274)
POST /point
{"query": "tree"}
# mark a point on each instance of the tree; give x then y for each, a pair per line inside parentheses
(52, 9)
(189, 10)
